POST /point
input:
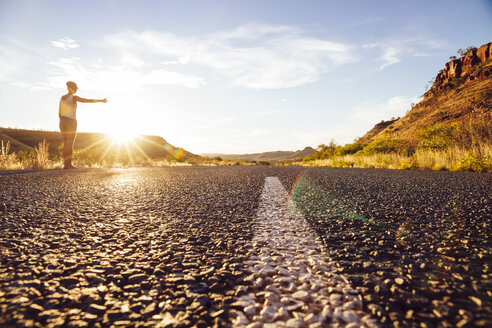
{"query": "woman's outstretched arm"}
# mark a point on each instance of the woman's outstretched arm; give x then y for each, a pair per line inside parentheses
(84, 100)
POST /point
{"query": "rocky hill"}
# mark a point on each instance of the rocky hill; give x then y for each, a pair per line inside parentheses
(273, 156)
(461, 92)
(470, 67)
(152, 146)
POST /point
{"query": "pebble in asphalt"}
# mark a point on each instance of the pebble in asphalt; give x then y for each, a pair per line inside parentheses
(167, 247)
(415, 244)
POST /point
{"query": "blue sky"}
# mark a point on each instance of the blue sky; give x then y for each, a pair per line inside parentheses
(229, 76)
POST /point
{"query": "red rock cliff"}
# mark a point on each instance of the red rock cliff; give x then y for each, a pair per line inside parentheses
(465, 68)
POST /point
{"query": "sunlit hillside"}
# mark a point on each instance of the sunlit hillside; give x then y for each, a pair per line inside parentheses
(460, 94)
(450, 128)
(92, 149)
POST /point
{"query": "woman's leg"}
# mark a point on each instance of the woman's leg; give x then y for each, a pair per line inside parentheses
(71, 139)
(67, 149)
(68, 134)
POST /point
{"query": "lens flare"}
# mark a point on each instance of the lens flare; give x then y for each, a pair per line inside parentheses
(176, 152)
(305, 192)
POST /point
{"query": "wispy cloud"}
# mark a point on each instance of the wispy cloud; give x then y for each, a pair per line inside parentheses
(394, 51)
(124, 77)
(375, 111)
(65, 43)
(254, 30)
(15, 57)
(390, 57)
(133, 60)
(360, 121)
(254, 55)
(204, 122)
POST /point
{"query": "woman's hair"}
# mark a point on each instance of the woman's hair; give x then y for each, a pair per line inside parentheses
(72, 85)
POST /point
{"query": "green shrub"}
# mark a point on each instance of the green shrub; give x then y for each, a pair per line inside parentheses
(436, 137)
(27, 158)
(326, 151)
(348, 149)
(311, 157)
(385, 145)
(410, 164)
(474, 163)
(342, 163)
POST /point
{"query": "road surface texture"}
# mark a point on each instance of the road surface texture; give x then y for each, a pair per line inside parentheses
(187, 247)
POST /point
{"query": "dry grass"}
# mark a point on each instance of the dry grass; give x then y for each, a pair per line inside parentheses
(380, 161)
(454, 158)
(42, 155)
(165, 162)
(479, 158)
(5, 151)
(8, 161)
(41, 159)
(26, 160)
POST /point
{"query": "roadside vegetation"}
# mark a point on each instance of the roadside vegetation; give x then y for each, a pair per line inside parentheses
(100, 157)
(461, 146)
(39, 158)
(450, 129)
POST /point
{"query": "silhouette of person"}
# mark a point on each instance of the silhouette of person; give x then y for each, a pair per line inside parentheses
(68, 121)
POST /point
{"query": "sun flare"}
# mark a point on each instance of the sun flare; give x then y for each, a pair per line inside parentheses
(122, 136)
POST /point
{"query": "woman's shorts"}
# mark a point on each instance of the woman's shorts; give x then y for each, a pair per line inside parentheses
(68, 125)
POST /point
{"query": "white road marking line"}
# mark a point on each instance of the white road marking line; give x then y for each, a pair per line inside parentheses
(292, 282)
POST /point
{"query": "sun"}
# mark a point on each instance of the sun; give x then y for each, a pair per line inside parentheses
(122, 136)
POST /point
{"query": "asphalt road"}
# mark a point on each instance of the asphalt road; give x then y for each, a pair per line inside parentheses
(142, 247)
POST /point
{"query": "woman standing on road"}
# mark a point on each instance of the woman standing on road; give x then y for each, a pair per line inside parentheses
(68, 121)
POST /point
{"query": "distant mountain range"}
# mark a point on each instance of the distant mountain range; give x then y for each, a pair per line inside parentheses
(273, 156)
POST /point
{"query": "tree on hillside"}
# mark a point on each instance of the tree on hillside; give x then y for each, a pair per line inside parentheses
(326, 151)
(463, 52)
